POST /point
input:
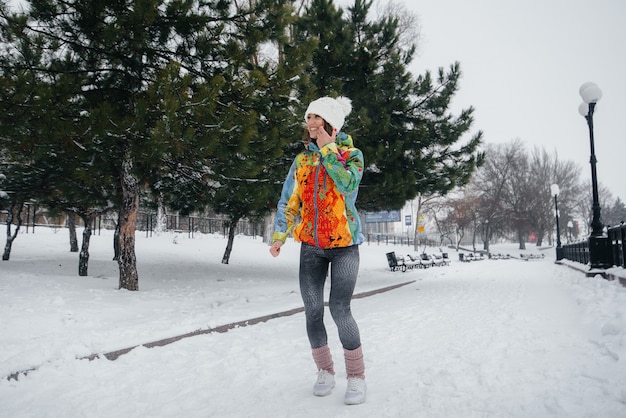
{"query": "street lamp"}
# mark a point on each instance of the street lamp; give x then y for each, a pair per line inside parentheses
(600, 255)
(591, 93)
(559, 250)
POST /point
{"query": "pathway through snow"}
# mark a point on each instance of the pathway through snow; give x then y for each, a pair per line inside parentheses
(502, 338)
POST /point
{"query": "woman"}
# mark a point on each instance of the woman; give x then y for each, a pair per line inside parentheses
(321, 188)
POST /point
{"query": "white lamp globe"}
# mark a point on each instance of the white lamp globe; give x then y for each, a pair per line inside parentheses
(590, 92)
(583, 109)
(554, 189)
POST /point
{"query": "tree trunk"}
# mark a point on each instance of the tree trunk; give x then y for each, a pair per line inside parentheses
(268, 227)
(129, 212)
(540, 234)
(83, 258)
(487, 235)
(11, 237)
(232, 225)
(71, 225)
(474, 238)
(417, 221)
(521, 237)
(161, 216)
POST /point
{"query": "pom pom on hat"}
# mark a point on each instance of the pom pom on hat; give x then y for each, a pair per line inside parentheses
(334, 111)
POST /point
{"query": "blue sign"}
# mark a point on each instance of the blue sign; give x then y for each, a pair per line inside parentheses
(383, 216)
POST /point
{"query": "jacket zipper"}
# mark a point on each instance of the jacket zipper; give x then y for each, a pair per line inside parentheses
(315, 205)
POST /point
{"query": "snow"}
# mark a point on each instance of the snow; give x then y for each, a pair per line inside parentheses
(491, 338)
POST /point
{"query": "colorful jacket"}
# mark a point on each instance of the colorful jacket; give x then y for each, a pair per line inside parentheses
(322, 187)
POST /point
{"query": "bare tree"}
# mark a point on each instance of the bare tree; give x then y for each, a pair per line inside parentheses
(510, 196)
(520, 194)
(614, 214)
(542, 213)
(584, 199)
(460, 210)
(409, 26)
(492, 183)
(566, 175)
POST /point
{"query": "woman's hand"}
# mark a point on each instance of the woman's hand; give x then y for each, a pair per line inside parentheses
(275, 248)
(323, 138)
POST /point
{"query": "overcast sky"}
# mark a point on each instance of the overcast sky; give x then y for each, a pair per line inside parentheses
(523, 63)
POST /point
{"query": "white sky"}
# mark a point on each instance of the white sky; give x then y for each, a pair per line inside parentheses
(523, 63)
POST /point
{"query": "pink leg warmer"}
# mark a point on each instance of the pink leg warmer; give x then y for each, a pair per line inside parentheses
(355, 366)
(323, 359)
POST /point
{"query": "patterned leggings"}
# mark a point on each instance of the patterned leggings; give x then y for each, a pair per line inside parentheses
(344, 267)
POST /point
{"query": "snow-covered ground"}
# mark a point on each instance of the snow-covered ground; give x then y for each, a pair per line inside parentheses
(491, 338)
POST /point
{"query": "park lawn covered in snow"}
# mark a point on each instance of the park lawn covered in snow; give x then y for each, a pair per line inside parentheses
(491, 338)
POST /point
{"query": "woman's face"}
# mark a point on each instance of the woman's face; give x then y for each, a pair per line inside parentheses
(314, 123)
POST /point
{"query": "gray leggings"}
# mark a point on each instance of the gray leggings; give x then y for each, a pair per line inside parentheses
(344, 267)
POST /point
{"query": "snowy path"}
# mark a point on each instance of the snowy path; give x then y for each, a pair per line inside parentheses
(486, 339)
(503, 345)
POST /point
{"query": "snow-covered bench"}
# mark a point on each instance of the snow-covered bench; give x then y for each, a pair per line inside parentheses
(470, 257)
(399, 263)
(528, 257)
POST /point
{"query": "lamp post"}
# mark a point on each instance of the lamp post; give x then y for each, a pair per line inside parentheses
(559, 250)
(600, 255)
(591, 93)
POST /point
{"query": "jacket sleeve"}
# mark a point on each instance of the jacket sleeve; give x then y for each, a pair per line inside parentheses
(288, 206)
(346, 173)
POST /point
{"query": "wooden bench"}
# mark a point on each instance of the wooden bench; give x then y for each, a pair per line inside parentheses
(441, 259)
(471, 257)
(418, 261)
(528, 257)
(499, 256)
(398, 263)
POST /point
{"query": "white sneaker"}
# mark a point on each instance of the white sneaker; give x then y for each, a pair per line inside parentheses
(355, 393)
(325, 383)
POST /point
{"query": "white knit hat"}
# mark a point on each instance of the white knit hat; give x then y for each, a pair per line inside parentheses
(334, 111)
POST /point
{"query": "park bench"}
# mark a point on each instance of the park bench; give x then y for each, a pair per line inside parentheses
(528, 257)
(499, 256)
(399, 263)
(430, 260)
(419, 261)
(412, 261)
(440, 259)
(470, 257)
(426, 260)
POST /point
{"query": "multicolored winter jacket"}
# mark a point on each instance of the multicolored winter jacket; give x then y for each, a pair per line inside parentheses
(321, 187)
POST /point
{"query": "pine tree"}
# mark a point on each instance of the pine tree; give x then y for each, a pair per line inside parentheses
(26, 115)
(121, 55)
(260, 93)
(233, 168)
(411, 143)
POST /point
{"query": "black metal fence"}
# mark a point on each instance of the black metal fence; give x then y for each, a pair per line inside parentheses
(578, 251)
(617, 236)
(388, 239)
(598, 251)
(197, 224)
(146, 221)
